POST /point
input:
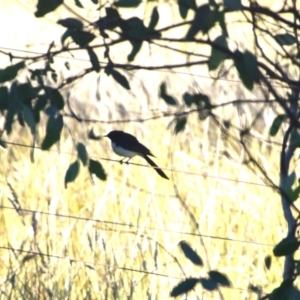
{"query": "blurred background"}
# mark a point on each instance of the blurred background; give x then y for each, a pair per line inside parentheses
(119, 238)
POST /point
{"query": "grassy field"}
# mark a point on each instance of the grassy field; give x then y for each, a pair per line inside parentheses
(118, 239)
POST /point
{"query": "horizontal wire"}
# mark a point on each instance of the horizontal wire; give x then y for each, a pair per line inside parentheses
(124, 224)
(146, 166)
(134, 226)
(72, 260)
(89, 264)
(176, 72)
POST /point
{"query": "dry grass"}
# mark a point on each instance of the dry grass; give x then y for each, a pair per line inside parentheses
(118, 239)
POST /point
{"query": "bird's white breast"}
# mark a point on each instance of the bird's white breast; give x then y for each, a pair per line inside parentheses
(121, 151)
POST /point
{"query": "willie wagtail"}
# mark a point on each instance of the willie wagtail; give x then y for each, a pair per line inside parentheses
(127, 145)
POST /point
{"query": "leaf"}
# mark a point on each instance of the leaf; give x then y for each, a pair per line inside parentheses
(94, 59)
(55, 97)
(217, 56)
(247, 67)
(163, 94)
(219, 278)
(277, 122)
(53, 131)
(127, 3)
(185, 5)
(184, 287)
(154, 19)
(285, 39)
(190, 253)
(203, 101)
(29, 118)
(134, 28)
(268, 262)
(287, 184)
(208, 284)
(285, 291)
(14, 105)
(220, 17)
(297, 262)
(51, 111)
(3, 144)
(112, 13)
(286, 246)
(40, 104)
(95, 1)
(188, 99)
(72, 172)
(118, 77)
(232, 5)
(71, 23)
(110, 21)
(204, 20)
(81, 38)
(28, 92)
(96, 168)
(82, 153)
(78, 4)
(295, 139)
(46, 6)
(180, 124)
(21, 118)
(136, 47)
(3, 97)
(10, 72)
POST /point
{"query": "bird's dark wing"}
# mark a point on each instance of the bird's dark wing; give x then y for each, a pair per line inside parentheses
(155, 166)
(131, 143)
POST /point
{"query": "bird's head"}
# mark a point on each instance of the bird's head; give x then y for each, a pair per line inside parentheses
(112, 134)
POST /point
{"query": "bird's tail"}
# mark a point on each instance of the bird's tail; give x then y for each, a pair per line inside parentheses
(155, 166)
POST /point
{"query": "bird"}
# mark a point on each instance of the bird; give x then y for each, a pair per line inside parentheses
(126, 145)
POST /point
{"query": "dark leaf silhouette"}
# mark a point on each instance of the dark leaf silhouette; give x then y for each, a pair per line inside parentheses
(277, 124)
(154, 19)
(204, 20)
(163, 94)
(285, 39)
(217, 56)
(10, 72)
(247, 67)
(71, 23)
(82, 153)
(96, 168)
(268, 262)
(94, 59)
(72, 172)
(3, 144)
(180, 124)
(3, 97)
(185, 5)
(219, 278)
(46, 6)
(53, 131)
(14, 106)
(184, 287)
(286, 246)
(190, 253)
(121, 79)
(208, 284)
(127, 3)
(233, 5)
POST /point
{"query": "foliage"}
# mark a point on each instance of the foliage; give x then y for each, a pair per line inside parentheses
(210, 283)
(23, 102)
